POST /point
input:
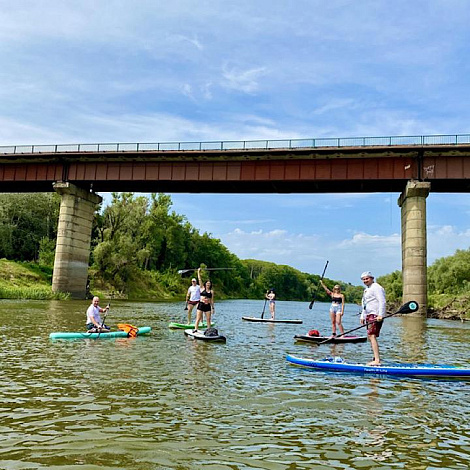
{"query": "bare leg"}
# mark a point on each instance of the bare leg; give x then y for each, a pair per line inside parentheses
(272, 309)
(333, 322)
(198, 319)
(375, 349)
(208, 319)
(339, 323)
(190, 309)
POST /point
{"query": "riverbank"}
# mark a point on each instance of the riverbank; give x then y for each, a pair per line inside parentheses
(32, 281)
(26, 281)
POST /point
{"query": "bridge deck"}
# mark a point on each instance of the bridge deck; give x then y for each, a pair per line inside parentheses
(372, 168)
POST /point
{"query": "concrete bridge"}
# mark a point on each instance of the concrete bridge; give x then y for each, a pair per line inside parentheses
(411, 166)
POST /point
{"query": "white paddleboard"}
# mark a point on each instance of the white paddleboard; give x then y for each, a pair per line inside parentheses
(201, 336)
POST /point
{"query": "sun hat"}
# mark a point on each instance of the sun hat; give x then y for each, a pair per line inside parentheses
(366, 274)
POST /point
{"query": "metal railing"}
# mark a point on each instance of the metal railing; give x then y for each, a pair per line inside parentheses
(418, 140)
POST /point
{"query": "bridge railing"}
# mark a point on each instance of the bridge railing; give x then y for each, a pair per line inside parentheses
(227, 145)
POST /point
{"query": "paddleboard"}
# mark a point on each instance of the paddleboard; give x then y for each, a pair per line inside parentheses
(112, 334)
(201, 336)
(185, 326)
(336, 364)
(331, 339)
(268, 320)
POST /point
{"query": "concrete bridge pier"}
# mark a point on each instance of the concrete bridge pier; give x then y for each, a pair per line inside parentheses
(72, 254)
(413, 242)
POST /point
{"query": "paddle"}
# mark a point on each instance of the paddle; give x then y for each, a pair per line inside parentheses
(409, 307)
(182, 271)
(316, 290)
(262, 314)
(105, 315)
(186, 306)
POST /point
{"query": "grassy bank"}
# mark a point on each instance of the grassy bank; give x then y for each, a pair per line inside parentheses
(26, 281)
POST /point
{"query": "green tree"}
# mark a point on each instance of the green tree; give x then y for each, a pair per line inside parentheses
(26, 219)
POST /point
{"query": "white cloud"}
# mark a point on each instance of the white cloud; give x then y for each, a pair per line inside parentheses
(242, 80)
(308, 253)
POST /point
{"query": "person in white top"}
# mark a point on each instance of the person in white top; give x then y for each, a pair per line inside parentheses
(193, 297)
(373, 311)
(93, 318)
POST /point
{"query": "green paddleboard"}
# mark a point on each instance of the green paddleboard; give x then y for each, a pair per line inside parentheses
(186, 326)
(112, 334)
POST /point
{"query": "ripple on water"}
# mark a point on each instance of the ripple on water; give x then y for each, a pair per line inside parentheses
(165, 401)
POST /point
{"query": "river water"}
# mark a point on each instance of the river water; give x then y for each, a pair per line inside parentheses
(168, 402)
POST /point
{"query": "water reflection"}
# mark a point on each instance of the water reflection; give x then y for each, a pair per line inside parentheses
(413, 338)
(165, 401)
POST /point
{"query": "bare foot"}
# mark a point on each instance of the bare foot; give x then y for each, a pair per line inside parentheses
(374, 363)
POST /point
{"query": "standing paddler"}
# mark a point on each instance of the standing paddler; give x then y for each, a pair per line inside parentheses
(373, 310)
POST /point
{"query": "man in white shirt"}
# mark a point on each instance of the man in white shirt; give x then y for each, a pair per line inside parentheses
(373, 311)
(193, 297)
(93, 318)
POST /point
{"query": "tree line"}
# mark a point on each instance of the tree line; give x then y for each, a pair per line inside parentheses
(139, 243)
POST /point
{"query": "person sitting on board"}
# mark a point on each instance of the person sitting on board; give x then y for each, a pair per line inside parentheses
(336, 307)
(206, 304)
(93, 318)
(193, 297)
(271, 296)
(373, 310)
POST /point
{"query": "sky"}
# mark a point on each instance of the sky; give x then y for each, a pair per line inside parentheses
(196, 70)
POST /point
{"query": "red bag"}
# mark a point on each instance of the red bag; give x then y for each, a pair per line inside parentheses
(314, 333)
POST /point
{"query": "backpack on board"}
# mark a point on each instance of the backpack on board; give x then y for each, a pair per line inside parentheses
(211, 332)
(313, 333)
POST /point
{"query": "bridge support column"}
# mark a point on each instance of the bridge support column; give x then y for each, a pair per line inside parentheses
(72, 255)
(413, 242)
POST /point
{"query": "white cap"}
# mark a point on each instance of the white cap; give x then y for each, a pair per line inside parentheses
(366, 274)
(193, 279)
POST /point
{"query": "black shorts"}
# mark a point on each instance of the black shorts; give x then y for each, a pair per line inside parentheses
(204, 307)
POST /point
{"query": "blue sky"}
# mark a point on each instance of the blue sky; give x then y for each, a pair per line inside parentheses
(193, 70)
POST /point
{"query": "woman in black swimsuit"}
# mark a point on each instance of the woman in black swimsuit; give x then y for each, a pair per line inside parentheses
(206, 304)
(336, 307)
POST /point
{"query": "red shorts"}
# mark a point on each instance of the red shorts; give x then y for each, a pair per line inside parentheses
(374, 328)
(193, 302)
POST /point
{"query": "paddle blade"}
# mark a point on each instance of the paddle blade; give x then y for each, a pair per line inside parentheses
(409, 307)
(131, 330)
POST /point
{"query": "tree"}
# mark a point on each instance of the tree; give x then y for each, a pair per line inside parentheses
(25, 220)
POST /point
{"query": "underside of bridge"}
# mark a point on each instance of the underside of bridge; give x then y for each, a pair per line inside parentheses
(409, 170)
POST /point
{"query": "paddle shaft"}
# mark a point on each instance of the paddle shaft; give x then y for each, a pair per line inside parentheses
(406, 308)
(104, 317)
(262, 314)
(318, 285)
(182, 271)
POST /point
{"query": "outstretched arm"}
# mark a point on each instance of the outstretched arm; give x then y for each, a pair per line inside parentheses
(326, 288)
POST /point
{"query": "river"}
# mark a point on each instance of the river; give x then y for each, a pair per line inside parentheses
(168, 402)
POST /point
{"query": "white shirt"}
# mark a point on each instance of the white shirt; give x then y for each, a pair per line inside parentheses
(195, 293)
(93, 312)
(373, 301)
